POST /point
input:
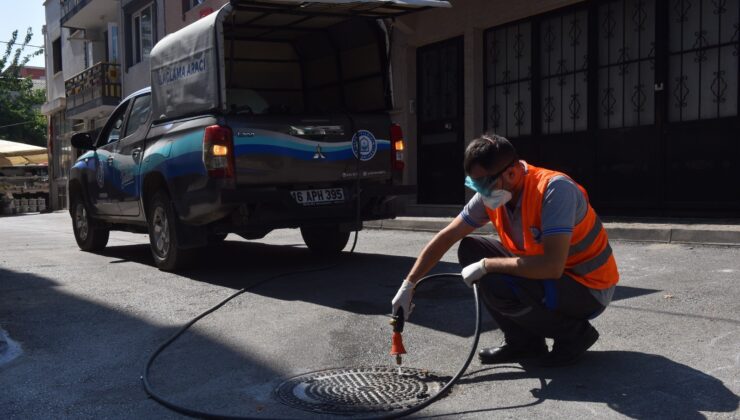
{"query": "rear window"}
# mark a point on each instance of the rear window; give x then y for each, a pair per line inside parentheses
(285, 71)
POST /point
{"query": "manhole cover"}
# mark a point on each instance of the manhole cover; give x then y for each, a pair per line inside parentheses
(359, 390)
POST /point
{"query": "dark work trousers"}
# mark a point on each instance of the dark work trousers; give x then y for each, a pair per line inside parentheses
(528, 310)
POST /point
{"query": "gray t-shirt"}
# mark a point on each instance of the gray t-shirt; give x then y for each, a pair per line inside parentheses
(563, 206)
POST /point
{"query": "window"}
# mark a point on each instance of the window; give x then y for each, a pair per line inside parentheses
(112, 130)
(115, 130)
(702, 63)
(112, 43)
(139, 114)
(87, 52)
(142, 34)
(509, 80)
(560, 79)
(56, 50)
(626, 63)
(189, 4)
(563, 73)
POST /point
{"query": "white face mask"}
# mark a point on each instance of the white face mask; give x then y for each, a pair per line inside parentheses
(496, 198)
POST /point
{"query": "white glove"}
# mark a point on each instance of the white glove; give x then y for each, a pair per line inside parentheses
(474, 272)
(403, 299)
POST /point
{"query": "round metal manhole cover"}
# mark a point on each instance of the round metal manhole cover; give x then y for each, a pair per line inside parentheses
(359, 390)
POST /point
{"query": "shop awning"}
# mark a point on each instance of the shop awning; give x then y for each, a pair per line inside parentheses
(19, 154)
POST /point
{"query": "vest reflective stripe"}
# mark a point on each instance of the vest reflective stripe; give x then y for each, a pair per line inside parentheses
(587, 240)
(590, 260)
(590, 265)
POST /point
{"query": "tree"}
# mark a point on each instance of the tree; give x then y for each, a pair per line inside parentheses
(20, 119)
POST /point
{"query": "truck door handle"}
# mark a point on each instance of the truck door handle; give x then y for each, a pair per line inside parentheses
(110, 159)
(136, 153)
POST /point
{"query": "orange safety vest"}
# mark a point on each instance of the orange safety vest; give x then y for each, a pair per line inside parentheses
(590, 260)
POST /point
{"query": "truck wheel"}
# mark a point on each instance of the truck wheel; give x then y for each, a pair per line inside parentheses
(89, 237)
(325, 240)
(163, 234)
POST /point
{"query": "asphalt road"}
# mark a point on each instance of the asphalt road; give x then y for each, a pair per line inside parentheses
(83, 325)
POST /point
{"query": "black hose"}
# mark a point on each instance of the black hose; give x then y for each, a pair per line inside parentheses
(202, 414)
(459, 373)
(188, 411)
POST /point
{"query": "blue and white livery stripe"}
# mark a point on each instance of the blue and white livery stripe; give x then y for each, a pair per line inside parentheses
(303, 150)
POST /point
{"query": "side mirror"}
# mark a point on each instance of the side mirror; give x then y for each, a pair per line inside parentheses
(83, 141)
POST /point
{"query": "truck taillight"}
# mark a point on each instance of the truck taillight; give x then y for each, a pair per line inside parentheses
(218, 152)
(397, 147)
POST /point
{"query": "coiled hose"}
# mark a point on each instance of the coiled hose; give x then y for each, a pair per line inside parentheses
(202, 414)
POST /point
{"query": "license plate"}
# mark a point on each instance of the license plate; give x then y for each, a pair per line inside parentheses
(318, 196)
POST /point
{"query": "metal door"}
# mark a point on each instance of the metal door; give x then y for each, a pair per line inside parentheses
(701, 90)
(627, 130)
(99, 182)
(637, 100)
(107, 177)
(441, 144)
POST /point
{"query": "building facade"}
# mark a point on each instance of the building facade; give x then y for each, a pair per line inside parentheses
(37, 75)
(637, 100)
(98, 53)
(63, 61)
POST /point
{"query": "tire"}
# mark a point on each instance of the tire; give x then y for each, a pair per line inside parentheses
(162, 220)
(89, 237)
(325, 240)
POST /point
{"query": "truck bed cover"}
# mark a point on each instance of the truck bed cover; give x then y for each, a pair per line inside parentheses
(188, 76)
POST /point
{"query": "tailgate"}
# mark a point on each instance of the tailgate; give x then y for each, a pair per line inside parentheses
(293, 150)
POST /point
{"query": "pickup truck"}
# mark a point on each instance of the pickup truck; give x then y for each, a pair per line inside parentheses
(263, 115)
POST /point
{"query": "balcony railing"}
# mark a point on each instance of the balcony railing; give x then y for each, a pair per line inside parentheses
(93, 88)
(70, 7)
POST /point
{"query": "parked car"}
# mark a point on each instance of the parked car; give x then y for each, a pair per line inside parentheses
(260, 116)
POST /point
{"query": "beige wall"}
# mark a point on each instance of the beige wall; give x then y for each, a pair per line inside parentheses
(138, 75)
(175, 19)
(467, 18)
(54, 82)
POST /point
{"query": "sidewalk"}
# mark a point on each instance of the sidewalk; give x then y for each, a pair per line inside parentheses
(706, 232)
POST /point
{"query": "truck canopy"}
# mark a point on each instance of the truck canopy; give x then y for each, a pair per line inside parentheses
(307, 56)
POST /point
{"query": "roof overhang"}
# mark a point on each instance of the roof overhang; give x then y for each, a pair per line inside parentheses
(374, 9)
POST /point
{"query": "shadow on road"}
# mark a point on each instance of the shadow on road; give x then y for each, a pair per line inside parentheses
(83, 359)
(637, 385)
(111, 347)
(357, 283)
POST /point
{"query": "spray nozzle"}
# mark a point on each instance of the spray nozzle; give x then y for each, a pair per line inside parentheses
(397, 348)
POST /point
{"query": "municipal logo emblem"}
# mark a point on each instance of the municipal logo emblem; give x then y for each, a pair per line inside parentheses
(364, 145)
(536, 234)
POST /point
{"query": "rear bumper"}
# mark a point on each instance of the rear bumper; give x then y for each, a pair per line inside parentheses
(273, 194)
(274, 208)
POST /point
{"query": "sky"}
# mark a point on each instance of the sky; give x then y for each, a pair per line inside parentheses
(20, 14)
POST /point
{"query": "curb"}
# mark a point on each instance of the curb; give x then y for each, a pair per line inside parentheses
(632, 232)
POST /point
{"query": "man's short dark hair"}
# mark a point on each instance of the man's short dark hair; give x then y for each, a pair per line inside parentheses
(490, 151)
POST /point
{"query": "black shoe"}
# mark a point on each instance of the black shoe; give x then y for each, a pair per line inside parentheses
(508, 353)
(568, 352)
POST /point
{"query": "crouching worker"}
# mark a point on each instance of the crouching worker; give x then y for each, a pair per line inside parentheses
(550, 273)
